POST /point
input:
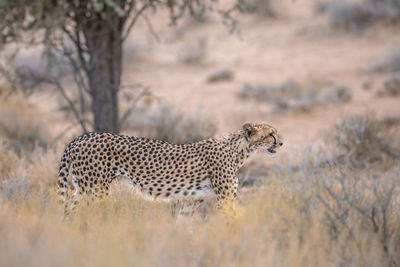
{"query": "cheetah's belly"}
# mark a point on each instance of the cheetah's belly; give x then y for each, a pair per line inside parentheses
(181, 189)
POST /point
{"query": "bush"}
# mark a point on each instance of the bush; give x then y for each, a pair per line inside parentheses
(8, 159)
(362, 140)
(391, 87)
(389, 63)
(357, 15)
(263, 8)
(35, 172)
(16, 186)
(359, 211)
(22, 124)
(291, 95)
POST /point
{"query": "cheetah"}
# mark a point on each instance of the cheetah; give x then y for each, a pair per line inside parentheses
(160, 170)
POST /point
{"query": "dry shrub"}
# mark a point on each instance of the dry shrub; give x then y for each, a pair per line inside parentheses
(354, 15)
(363, 207)
(22, 124)
(26, 163)
(389, 63)
(16, 186)
(35, 172)
(363, 140)
(8, 159)
(293, 96)
(263, 8)
(276, 93)
(161, 121)
(358, 210)
(391, 87)
(42, 167)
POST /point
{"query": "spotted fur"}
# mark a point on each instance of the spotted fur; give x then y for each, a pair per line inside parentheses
(160, 170)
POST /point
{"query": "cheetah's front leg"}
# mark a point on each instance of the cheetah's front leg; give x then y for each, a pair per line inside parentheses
(226, 190)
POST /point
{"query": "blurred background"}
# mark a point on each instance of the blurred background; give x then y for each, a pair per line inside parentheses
(325, 73)
(299, 65)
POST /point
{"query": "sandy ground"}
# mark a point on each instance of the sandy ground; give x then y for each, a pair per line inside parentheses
(299, 45)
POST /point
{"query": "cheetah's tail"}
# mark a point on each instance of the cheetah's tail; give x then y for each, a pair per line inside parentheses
(63, 176)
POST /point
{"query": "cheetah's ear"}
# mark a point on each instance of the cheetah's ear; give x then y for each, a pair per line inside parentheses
(249, 130)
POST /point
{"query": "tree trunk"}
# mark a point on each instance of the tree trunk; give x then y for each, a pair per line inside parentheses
(104, 82)
(104, 43)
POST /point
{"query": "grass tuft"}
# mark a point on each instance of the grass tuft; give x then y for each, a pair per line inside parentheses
(22, 125)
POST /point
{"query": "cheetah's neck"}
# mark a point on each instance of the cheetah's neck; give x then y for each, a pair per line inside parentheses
(240, 147)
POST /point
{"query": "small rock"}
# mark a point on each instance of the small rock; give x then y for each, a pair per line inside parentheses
(222, 75)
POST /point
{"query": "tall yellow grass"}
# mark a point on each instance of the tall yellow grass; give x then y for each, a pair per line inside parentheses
(313, 214)
(275, 226)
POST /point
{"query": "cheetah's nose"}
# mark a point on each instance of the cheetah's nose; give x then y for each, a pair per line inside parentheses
(281, 144)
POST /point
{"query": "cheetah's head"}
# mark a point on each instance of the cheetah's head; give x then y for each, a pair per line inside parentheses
(262, 137)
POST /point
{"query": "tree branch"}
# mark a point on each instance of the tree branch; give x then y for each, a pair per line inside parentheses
(151, 28)
(43, 78)
(134, 19)
(70, 103)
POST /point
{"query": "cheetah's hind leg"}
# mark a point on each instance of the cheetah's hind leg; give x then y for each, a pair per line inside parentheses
(73, 202)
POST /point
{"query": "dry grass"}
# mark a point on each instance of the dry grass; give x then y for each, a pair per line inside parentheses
(316, 213)
(22, 124)
(8, 159)
(278, 225)
(23, 177)
(319, 212)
